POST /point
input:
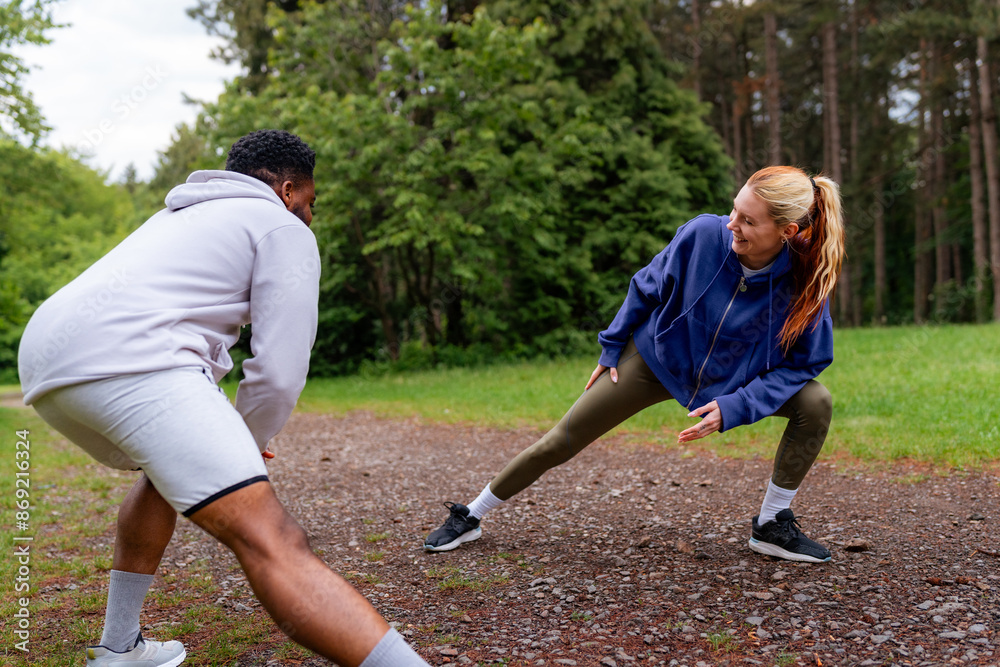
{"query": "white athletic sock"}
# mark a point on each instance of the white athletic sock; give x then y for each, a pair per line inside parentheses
(775, 500)
(126, 593)
(484, 503)
(393, 651)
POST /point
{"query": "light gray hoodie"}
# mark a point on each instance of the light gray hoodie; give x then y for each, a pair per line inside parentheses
(175, 293)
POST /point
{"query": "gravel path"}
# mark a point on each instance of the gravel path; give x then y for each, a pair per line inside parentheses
(633, 554)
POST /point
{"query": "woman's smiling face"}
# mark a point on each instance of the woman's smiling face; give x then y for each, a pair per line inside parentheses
(756, 238)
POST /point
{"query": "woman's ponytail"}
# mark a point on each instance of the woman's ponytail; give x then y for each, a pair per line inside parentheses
(815, 205)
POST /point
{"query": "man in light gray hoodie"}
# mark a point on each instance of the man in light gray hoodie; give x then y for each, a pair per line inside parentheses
(124, 362)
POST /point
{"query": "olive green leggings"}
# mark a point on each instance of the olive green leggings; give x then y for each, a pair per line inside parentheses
(607, 404)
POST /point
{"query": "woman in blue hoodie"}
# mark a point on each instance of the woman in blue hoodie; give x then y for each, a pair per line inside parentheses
(732, 321)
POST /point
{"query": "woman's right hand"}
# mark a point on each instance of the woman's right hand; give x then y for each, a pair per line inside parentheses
(597, 373)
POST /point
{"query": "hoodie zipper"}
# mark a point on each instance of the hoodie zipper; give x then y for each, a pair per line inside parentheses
(711, 348)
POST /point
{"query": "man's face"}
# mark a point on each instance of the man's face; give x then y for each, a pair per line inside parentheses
(299, 199)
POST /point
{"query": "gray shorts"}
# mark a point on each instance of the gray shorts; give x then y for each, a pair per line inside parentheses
(177, 426)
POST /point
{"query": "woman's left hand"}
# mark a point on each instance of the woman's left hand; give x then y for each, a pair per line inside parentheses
(710, 423)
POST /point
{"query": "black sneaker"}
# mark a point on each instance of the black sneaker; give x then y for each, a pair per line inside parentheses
(783, 539)
(459, 528)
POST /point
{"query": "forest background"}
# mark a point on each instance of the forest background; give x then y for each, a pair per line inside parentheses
(490, 174)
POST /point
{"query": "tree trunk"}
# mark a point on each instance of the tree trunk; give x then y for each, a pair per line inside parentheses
(724, 117)
(880, 126)
(738, 144)
(921, 230)
(922, 265)
(980, 255)
(831, 102)
(956, 264)
(854, 143)
(738, 123)
(942, 256)
(696, 61)
(456, 319)
(381, 287)
(831, 122)
(989, 120)
(942, 262)
(771, 86)
(879, 229)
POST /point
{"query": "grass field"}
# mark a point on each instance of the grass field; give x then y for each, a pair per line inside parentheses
(67, 505)
(71, 518)
(922, 394)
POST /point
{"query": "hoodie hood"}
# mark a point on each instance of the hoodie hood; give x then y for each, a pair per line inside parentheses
(207, 185)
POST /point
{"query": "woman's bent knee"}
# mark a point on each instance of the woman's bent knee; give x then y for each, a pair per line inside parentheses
(813, 402)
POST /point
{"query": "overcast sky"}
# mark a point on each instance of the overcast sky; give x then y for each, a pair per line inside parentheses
(112, 82)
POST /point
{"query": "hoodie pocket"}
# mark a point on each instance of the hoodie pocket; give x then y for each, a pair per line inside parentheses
(221, 358)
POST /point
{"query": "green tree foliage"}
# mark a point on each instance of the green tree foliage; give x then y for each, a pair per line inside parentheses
(243, 26)
(474, 194)
(20, 23)
(57, 216)
(333, 45)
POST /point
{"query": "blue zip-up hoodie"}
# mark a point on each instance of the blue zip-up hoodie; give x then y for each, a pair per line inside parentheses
(709, 333)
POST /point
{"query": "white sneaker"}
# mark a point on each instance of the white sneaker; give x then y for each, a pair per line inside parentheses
(144, 653)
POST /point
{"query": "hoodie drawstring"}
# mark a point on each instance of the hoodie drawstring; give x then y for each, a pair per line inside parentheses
(704, 291)
(770, 314)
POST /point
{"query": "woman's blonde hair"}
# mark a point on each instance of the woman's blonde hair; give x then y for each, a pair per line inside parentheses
(814, 204)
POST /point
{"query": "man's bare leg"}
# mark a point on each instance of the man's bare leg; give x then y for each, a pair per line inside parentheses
(145, 525)
(309, 602)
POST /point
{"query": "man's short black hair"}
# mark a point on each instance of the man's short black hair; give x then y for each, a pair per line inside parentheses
(272, 156)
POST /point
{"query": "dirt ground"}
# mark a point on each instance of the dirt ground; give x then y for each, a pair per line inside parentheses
(630, 554)
(633, 554)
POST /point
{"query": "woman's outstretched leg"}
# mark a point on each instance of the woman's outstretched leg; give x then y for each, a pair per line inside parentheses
(602, 407)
